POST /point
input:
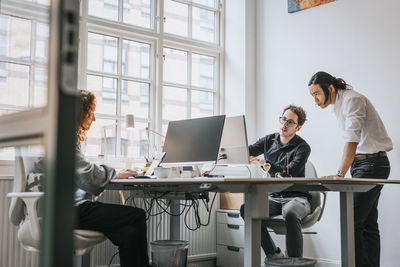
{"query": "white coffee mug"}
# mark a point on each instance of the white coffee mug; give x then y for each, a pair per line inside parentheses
(256, 171)
(161, 172)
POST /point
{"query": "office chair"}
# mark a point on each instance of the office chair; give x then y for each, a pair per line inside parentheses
(24, 214)
(277, 224)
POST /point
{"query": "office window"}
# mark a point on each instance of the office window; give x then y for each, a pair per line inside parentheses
(126, 59)
(136, 59)
(175, 66)
(15, 86)
(132, 12)
(189, 85)
(176, 18)
(135, 68)
(23, 58)
(203, 24)
(202, 104)
(122, 62)
(209, 3)
(102, 53)
(106, 9)
(118, 73)
(138, 12)
(174, 103)
(23, 55)
(135, 99)
(194, 20)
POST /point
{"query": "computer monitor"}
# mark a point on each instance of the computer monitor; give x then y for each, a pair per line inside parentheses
(193, 142)
(234, 147)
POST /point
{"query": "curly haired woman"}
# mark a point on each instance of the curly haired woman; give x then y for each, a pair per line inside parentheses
(125, 226)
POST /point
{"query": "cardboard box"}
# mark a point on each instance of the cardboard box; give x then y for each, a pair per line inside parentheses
(231, 201)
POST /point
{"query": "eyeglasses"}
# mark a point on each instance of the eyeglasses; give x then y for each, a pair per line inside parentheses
(284, 120)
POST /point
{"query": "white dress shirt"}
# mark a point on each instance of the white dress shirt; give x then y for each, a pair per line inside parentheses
(361, 123)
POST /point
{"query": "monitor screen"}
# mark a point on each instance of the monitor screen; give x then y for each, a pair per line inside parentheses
(234, 147)
(193, 142)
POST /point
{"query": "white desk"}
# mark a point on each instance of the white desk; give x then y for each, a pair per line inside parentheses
(257, 207)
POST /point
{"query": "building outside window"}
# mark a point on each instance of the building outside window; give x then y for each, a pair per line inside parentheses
(156, 59)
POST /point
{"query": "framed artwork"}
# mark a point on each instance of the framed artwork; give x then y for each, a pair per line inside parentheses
(298, 5)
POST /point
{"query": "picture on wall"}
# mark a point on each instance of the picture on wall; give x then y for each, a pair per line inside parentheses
(298, 5)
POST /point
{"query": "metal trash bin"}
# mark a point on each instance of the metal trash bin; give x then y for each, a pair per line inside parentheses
(169, 253)
(288, 262)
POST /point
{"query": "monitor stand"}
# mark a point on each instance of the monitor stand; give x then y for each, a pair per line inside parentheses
(190, 171)
(175, 172)
(185, 172)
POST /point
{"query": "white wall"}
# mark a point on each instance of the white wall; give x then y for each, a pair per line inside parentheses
(240, 48)
(358, 40)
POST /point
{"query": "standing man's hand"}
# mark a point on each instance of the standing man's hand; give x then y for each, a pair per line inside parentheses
(126, 173)
(349, 152)
(334, 176)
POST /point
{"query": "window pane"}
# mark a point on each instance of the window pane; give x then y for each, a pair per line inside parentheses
(203, 71)
(102, 53)
(15, 37)
(210, 3)
(40, 87)
(203, 25)
(105, 90)
(14, 84)
(202, 104)
(135, 99)
(101, 138)
(134, 142)
(7, 154)
(105, 9)
(137, 12)
(175, 66)
(43, 2)
(3, 111)
(136, 59)
(176, 18)
(174, 103)
(42, 38)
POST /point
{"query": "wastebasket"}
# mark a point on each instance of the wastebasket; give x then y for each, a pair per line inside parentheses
(169, 253)
(286, 262)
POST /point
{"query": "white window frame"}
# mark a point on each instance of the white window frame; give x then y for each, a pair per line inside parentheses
(158, 41)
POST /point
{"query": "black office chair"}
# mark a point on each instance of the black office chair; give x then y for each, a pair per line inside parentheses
(277, 224)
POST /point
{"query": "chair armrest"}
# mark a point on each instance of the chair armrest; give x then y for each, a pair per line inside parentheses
(30, 199)
(23, 195)
(323, 206)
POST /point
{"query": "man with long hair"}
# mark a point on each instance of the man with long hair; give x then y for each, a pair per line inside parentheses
(364, 153)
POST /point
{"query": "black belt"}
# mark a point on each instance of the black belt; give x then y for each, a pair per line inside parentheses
(367, 156)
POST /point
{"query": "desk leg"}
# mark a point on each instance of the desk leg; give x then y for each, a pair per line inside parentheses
(174, 221)
(347, 229)
(256, 208)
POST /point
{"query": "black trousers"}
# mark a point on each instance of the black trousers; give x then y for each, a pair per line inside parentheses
(366, 229)
(125, 226)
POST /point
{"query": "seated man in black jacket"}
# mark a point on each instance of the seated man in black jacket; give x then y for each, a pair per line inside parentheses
(287, 153)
